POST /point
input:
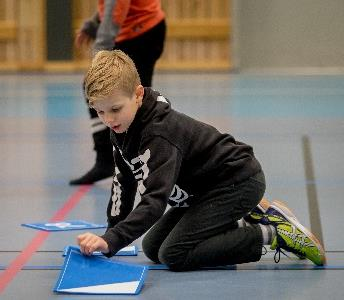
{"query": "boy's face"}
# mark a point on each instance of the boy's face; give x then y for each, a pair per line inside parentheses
(118, 110)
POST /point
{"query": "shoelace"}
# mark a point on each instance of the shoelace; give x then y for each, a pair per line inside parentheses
(277, 256)
(264, 250)
(279, 250)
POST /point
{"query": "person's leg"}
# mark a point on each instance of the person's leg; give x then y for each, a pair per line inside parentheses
(104, 165)
(153, 239)
(208, 235)
(145, 50)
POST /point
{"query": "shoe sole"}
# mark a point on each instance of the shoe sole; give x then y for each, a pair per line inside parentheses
(285, 211)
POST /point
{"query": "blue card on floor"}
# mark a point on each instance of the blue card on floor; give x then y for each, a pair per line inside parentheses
(126, 251)
(83, 274)
(64, 226)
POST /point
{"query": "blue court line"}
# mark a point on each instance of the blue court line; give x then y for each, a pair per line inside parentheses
(258, 267)
(282, 106)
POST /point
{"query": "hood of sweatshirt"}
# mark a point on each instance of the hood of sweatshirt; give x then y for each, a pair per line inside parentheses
(154, 107)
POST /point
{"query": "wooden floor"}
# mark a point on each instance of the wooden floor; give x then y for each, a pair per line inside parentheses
(295, 124)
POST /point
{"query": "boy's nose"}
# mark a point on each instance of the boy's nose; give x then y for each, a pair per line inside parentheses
(108, 118)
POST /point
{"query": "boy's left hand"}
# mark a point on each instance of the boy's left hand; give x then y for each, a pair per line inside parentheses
(90, 242)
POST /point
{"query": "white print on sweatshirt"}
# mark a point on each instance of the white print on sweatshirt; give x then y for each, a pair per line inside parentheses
(178, 197)
(139, 167)
(141, 170)
(116, 195)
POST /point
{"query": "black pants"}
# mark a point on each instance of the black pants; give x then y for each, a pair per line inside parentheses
(145, 50)
(206, 234)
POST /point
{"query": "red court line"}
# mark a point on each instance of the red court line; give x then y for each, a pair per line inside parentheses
(16, 265)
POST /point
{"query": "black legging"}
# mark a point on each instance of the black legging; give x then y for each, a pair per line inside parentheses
(145, 50)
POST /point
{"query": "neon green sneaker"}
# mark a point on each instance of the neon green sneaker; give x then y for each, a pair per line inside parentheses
(292, 239)
(256, 215)
(292, 236)
(278, 212)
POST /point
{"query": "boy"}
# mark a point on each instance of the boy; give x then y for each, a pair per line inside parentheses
(211, 181)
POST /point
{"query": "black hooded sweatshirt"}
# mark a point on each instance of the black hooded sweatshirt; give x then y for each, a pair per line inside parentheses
(166, 157)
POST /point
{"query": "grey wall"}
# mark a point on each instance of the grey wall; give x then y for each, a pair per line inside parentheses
(288, 34)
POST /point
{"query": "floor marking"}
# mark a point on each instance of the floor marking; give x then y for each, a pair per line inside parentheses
(313, 205)
(17, 264)
(258, 267)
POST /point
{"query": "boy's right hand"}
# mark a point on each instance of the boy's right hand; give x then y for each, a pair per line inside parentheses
(82, 38)
(90, 242)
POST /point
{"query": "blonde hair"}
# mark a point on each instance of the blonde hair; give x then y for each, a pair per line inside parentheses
(110, 70)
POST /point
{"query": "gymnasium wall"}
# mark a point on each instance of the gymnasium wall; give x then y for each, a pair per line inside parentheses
(39, 34)
(293, 34)
(202, 35)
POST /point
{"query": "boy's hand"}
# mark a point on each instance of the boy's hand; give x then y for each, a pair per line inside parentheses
(82, 38)
(90, 242)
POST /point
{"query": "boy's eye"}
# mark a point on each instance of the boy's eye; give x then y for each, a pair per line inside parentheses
(100, 112)
(116, 109)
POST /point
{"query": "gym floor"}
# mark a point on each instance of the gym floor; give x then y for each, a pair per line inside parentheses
(295, 124)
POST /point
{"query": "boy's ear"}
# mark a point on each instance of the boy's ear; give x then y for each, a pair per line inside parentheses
(139, 91)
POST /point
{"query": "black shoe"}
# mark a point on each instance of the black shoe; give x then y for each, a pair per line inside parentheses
(98, 172)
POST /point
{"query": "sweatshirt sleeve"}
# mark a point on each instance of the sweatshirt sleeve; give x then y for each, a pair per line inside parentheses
(156, 170)
(108, 28)
(91, 25)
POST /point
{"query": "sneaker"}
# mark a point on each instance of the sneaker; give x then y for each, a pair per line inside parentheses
(292, 236)
(256, 215)
(277, 212)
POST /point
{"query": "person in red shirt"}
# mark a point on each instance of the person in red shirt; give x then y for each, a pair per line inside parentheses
(136, 27)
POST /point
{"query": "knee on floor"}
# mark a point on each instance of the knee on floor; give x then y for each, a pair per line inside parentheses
(150, 251)
(173, 259)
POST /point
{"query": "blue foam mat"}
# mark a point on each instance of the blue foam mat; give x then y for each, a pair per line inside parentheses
(82, 274)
